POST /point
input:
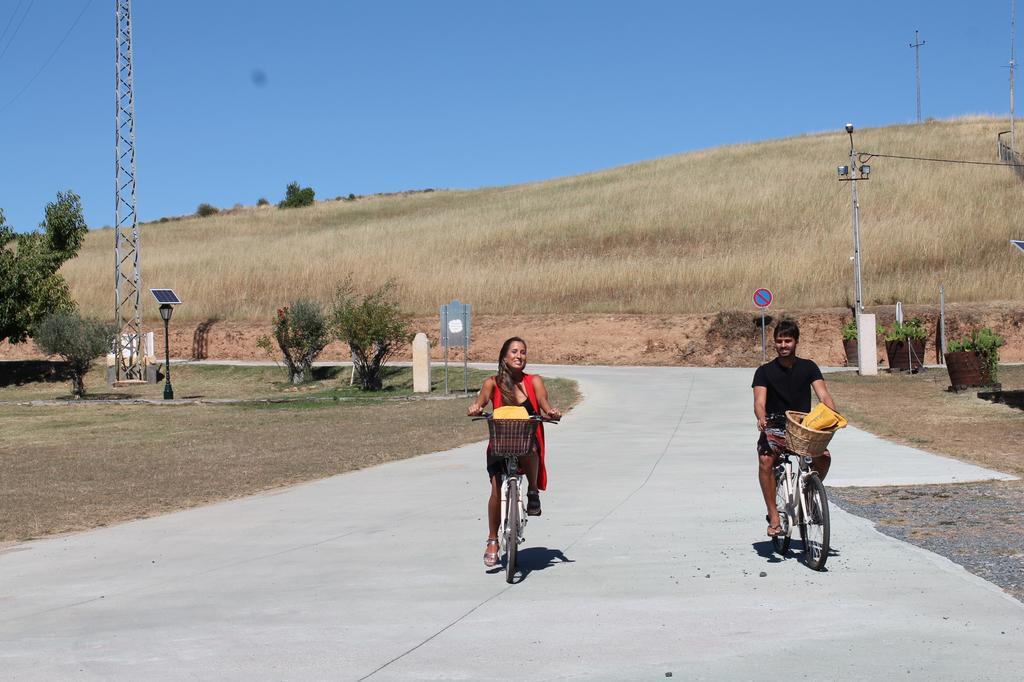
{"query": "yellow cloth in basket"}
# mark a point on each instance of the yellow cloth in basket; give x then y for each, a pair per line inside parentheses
(822, 418)
(511, 412)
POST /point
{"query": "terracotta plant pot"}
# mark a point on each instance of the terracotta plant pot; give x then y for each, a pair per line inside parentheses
(966, 370)
(900, 358)
(850, 346)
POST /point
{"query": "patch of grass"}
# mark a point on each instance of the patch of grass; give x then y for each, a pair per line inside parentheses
(82, 464)
(916, 409)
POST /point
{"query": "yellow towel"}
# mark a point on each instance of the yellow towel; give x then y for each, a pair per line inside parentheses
(821, 418)
(511, 412)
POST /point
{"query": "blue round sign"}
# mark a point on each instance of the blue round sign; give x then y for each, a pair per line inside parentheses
(762, 298)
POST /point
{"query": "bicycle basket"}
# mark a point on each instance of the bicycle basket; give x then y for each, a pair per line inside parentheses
(802, 440)
(511, 437)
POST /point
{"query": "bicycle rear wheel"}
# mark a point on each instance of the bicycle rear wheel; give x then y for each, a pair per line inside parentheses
(512, 529)
(814, 528)
(780, 543)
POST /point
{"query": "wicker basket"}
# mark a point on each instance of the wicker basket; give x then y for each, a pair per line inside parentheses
(802, 440)
(511, 437)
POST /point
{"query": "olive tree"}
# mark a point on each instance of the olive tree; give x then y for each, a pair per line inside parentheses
(301, 332)
(79, 340)
(373, 326)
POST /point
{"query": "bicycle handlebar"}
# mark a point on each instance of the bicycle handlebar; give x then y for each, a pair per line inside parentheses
(533, 418)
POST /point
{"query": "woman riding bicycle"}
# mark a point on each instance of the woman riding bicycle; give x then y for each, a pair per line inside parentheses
(512, 386)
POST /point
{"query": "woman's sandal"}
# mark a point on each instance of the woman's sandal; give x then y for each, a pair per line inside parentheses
(773, 531)
(491, 558)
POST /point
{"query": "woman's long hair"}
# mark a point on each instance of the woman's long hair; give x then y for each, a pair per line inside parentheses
(506, 386)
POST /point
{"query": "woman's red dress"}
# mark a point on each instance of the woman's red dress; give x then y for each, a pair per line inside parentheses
(531, 394)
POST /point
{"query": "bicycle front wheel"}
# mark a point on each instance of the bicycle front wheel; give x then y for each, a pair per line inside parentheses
(512, 529)
(814, 529)
(780, 542)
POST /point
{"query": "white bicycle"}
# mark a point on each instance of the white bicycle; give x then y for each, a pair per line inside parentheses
(511, 439)
(800, 497)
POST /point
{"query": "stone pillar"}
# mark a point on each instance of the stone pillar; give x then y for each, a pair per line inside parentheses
(867, 353)
(421, 364)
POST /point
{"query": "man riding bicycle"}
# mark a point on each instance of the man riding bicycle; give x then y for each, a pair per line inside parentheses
(783, 384)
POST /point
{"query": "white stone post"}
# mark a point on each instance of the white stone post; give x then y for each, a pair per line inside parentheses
(421, 364)
(866, 351)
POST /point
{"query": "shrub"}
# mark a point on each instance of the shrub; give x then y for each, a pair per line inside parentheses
(205, 210)
(912, 329)
(301, 332)
(986, 343)
(262, 201)
(850, 330)
(296, 197)
(373, 326)
(79, 340)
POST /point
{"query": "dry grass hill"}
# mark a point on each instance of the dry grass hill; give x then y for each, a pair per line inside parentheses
(690, 233)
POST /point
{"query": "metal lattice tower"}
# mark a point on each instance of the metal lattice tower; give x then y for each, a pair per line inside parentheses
(127, 283)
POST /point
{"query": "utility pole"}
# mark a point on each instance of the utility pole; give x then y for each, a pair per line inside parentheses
(127, 283)
(1013, 63)
(917, 70)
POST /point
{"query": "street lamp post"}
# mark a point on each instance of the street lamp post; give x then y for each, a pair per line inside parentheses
(165, 314)
(852, 173)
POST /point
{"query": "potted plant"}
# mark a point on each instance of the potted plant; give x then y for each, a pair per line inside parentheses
(904, 344)
(974, 359)
(850, 341)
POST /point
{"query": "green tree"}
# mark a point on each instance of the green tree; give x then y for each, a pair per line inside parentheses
(300, 331)
(30, 285)
(79, 340)
(374, 328)
(296, 197)
(206, 210)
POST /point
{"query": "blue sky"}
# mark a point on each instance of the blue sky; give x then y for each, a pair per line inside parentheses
(236, 99)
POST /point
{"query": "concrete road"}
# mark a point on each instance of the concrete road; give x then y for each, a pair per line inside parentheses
(650, 561)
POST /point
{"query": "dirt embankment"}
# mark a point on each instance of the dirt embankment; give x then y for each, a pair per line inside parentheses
(709, 340)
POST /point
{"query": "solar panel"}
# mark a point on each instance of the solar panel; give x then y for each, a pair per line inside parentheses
(1019, 243)
(165, 296)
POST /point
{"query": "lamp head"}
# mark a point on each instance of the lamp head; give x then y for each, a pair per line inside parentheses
(849, 128)
(165, 312)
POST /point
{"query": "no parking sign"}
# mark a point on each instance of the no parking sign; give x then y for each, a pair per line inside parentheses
(762, 299)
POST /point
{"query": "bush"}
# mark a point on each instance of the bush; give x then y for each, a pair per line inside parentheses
(79, 340)
(986, 343)
(850, 330)
(373, 326)
(301, 332)
(912, 329)
(296, 197)
(262, 201)
(205, 210)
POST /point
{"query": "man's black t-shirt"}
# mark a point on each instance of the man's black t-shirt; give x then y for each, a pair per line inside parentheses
(788, 389)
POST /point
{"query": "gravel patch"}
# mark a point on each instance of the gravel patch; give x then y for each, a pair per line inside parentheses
(977, 525)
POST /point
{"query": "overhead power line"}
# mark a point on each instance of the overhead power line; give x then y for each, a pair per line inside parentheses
(48, 59)
(864, 156)
(16, 28)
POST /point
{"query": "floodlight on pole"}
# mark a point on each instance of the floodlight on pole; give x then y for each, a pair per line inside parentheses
(852, 173)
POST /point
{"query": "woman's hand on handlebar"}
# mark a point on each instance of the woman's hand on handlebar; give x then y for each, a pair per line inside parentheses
(553, 414)
(474, 410)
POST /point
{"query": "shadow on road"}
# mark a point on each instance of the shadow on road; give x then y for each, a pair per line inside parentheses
(532, 559)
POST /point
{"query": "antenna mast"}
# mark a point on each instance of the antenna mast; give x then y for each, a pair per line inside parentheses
(917, 70)
(127, 283)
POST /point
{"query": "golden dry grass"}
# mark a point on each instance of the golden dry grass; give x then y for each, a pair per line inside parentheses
(688, 233)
